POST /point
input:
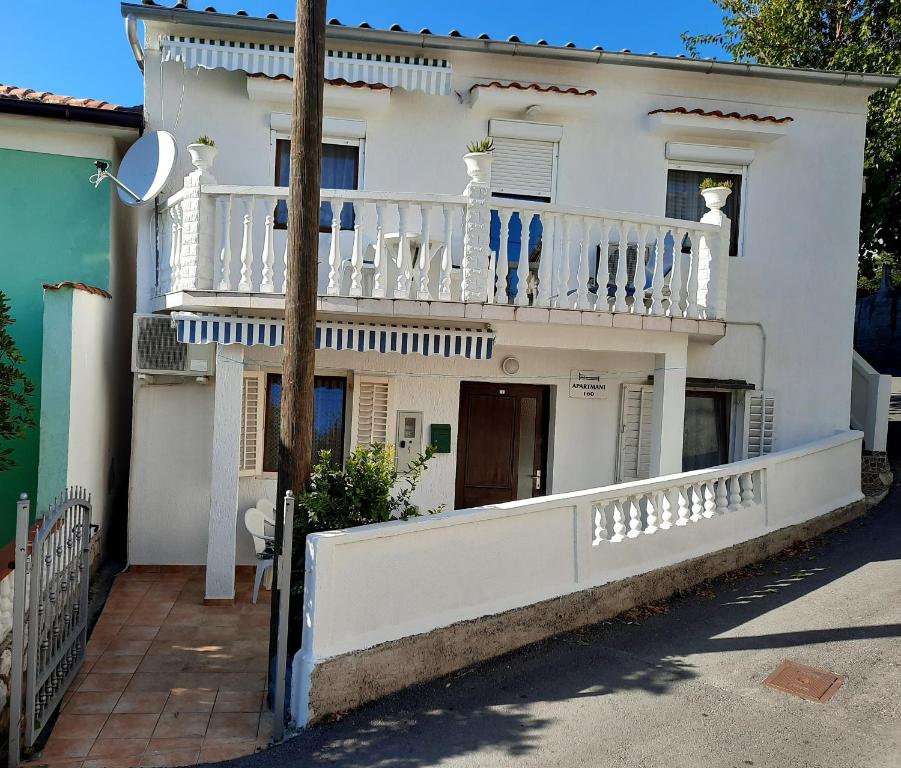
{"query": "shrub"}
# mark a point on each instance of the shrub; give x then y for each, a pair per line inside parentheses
(362, 492)
(205, 140)
(485, 145)
(709, 183)
(16, 411)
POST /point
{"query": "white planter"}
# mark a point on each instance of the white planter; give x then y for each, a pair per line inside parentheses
(478, 165)
(202, 156)
(715, 197)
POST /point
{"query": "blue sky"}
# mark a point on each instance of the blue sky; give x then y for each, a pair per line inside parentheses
(78, 47)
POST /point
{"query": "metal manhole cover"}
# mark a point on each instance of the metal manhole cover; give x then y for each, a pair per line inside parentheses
(807, 682)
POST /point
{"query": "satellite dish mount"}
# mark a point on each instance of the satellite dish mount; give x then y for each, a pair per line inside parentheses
(144, 170)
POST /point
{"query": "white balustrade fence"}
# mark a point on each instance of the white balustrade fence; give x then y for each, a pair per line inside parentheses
(432, 248)
(466, 564)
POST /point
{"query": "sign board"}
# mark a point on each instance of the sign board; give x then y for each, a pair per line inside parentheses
(588, 385)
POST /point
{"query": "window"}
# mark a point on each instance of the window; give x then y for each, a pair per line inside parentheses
(706, 434)
(684, 201)
(340, 170)
(329, 396)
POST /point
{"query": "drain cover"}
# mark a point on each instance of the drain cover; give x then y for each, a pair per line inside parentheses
(807, 682)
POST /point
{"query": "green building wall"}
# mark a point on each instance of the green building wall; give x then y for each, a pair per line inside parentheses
(54, 226)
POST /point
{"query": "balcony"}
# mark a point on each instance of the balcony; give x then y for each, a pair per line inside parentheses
(469, 255)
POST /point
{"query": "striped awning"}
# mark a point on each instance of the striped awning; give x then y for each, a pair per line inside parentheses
(473, 343)
(412, 73)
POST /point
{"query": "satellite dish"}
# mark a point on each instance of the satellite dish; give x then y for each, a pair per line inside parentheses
(144, 170)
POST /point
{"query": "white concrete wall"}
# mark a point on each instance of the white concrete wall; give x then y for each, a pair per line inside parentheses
(92, 402)
(796, 275)
(379, 583)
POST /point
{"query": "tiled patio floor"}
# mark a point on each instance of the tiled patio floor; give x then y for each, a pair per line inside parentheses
(167, 680)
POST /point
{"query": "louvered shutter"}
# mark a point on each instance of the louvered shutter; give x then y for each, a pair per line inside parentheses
(373, 407)
(759, 422)
(635, 433)
(523, 167)
(252, 424)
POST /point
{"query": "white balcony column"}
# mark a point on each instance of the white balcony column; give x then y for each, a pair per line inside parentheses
(477, 226)
(198, 222)
(220, 556)
(669, 411)
(714, 262)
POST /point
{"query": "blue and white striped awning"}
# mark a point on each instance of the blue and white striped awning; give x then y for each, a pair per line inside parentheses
(412, 73)
(473, 343)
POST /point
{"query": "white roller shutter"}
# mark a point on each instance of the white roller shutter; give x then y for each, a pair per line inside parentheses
(759, 423)
(253, 394)
(635, 433)
(523, 167)
(373, 407)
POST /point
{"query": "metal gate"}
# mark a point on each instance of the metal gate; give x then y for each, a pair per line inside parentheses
(50, 611)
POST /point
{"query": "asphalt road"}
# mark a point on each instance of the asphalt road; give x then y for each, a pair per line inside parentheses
(677, 685)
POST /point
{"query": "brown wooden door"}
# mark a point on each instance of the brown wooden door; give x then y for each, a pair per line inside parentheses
(501, 443)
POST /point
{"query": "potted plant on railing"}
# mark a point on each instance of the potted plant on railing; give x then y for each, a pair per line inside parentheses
(715, 193)
(203, 152)
(478, 159)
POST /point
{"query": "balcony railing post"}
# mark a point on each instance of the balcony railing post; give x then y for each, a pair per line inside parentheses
(715, 262)
(477, 224)
(198, 216)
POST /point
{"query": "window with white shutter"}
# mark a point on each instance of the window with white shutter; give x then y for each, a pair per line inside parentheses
(252, 424)
(759, 423)
(635, 433)
(373, 407)
(523, 167)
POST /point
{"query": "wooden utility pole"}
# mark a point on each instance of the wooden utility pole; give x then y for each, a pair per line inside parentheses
(296, 443)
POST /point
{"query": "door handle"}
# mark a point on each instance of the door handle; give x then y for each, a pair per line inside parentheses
(537, 478)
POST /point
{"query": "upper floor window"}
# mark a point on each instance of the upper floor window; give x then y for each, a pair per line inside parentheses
(684, 201)
(340, 170)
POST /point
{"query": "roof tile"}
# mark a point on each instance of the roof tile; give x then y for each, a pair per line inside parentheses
(45, 97)
(719, 113)
(534, 87)
(78, 287)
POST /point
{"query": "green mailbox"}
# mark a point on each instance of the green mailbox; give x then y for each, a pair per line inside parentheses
(439, 437)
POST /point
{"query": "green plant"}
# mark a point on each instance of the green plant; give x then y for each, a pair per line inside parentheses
(361, 492)
(16, 411)
(709, 183)
(205, 140)
(484, 145)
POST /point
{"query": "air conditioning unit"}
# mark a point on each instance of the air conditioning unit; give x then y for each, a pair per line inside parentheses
(155, 349)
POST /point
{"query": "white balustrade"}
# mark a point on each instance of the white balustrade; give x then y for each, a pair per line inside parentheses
(408, 246)
(694, 497)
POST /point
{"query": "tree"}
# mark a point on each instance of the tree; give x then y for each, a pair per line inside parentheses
(15, 389)
(846, 35)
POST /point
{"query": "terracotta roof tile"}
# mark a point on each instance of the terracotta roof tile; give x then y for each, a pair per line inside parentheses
(45, 97)
(78, 287)
(339, 81)
(534, 87)
(721, 114)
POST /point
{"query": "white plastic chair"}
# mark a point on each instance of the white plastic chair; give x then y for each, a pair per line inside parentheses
(255, 521)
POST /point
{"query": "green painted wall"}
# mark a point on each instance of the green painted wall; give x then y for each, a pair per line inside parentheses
(54, 226)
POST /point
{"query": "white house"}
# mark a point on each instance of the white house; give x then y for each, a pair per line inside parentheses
(569, 369)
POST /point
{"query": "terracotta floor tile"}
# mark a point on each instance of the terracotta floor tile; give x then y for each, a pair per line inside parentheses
(191, 700)
(142, 702)
(124, 647)
(79, 726)
(233, 726)
(59, 749)
(76, 763)
(177, 724)
(91, 703)
(118, 748)
(111, 681)
(241, 681)
(215, 753)
(112, 762)
(176, 744)
(162, 662)
(129, 726)
(177, 758)
(114, 662)
(264, 733)
(129, 632)
(153, 681)
(238, 701)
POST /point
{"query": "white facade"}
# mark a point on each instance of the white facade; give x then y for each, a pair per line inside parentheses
(786, 331)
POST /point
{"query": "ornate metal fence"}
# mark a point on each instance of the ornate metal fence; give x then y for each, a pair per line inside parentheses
(50, 611)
